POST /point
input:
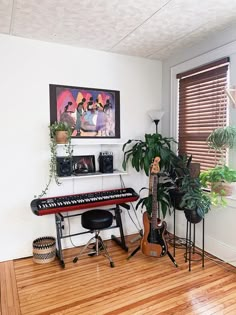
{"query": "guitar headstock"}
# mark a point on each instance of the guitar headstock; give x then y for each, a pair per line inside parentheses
(155, 168)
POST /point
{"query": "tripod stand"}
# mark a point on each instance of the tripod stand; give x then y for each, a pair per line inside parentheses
(139, 247)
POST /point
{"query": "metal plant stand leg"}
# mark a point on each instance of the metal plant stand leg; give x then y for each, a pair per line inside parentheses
(203, 242)
(174, 234)
(191, 245)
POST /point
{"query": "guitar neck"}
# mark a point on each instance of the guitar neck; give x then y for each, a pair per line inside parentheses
(154, 201)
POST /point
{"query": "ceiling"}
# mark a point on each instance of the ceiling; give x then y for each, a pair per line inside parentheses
(154, 29)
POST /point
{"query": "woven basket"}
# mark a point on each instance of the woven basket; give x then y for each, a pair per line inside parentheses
(44, 249)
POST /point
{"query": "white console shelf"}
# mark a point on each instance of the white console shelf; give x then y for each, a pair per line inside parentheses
(94, 147)
(96, 174)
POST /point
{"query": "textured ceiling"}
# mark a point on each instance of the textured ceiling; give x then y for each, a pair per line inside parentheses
(153, 29)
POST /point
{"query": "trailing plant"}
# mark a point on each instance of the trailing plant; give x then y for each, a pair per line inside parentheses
(222, 138)
(218, 174)
(216, 179)
(53, 128)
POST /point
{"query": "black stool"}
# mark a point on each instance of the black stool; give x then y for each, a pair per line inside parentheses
(96, 220)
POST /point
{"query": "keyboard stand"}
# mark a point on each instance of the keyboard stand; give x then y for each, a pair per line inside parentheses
(120, 242)
(59, 221)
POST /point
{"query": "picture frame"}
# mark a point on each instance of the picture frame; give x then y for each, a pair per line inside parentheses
(90, 112)
(83, 164)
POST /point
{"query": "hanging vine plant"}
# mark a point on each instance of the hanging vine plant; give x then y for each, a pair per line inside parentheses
(222, 138)
(56, 128)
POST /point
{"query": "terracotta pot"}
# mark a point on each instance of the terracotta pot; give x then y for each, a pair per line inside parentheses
(61, 137)
(223, 189)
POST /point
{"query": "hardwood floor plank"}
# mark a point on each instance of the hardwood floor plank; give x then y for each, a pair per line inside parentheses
(140, 286)
(9, 300)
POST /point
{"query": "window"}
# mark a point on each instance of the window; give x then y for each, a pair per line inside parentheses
(202, 108)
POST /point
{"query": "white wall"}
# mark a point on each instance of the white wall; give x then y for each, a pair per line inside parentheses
(27, 69)
(220, 237)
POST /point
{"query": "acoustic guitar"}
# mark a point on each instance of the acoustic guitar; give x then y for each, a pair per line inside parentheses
(153, 242)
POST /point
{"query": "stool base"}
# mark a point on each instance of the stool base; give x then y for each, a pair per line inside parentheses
(99, 245)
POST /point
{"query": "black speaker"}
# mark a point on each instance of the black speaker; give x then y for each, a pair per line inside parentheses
(105, 162)
(64, 166)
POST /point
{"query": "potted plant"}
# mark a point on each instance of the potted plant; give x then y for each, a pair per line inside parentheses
(177, 172)
(194, 199)
(141, 153)
(219, 179)
(60, 133)
(187, 193)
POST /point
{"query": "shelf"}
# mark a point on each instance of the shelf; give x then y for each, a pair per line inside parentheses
(96, 174)
(103, 142)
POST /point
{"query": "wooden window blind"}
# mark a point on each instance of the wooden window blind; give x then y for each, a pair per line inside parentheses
(202, 108)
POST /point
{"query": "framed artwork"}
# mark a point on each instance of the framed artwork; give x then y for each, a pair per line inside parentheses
(92, 113)
(83, 164)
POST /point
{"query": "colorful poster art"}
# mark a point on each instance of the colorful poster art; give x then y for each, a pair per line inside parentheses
(89, 112)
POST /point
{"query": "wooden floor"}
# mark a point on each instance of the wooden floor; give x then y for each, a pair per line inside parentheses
(141, 285)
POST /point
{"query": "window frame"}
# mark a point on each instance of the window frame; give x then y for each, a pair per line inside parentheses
(218, 53)
(201, 77)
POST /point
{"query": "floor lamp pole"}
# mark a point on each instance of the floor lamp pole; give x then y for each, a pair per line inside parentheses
(156, 121)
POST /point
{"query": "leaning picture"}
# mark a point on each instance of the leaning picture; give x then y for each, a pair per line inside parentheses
(89, 112)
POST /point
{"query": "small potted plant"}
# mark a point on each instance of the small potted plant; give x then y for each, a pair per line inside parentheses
(219, 179)
(60, 133)
(194, 199)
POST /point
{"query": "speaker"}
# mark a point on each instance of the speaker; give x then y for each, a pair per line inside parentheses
(64, 166)
(106, 162)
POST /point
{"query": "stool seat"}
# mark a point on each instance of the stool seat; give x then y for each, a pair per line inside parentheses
(97, 219)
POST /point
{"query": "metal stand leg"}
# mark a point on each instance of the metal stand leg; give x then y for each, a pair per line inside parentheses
(98, 244)
(59, 226)
(105, 251)
(174, 232)
(121, 242)
(203, 242)
(172, 259)
(84, 248)
(191, 245)
(134, 252)
(186, 242)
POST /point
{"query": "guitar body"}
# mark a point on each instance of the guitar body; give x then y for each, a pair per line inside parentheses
(153, 242)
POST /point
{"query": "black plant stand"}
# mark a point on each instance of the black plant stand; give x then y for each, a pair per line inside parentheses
(189, 243)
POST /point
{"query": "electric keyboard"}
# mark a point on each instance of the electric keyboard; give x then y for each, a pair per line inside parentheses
(68, 203)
